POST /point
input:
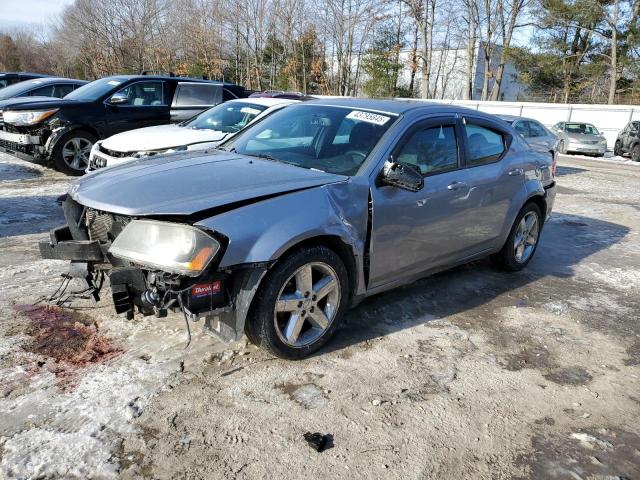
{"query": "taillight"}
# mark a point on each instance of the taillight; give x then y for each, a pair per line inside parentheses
(554, 164)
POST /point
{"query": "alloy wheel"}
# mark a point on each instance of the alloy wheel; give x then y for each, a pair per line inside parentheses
(526, 237)
(307, 304)
(75, 153)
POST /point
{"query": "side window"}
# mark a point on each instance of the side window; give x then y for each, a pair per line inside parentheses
(485, 146)
(41, 92)
(536, 130)
(432, 150)
(143, 94)
(62, 89)
(197, 94)
(521, 128)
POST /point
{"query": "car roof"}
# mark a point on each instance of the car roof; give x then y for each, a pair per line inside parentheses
(34, 75)
(47, 80)
(169, 77)
(264, 101)
(397, 107)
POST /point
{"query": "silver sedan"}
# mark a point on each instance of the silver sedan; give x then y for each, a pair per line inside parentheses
(577, 137)
(536, 134)
(306, 213)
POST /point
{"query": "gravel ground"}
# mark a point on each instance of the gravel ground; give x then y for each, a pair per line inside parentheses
(471, 373)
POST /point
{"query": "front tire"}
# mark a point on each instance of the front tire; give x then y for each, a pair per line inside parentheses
(617, 149)
(522, 241)
(71, 152)
(635, 153)
(300, 303)
(561, 148)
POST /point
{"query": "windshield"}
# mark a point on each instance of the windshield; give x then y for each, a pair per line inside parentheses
(328, 138)
(227, 117)
(18, 88)
(583, 128)
(95, 90)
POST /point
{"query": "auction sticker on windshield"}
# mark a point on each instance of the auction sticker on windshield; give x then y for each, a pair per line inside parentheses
(252, 111)
(368, 117)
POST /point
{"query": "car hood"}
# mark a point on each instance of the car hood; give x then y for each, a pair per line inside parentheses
(581, 137)
(18, 100)
(36, 104)
(159, 138)
(189, 184)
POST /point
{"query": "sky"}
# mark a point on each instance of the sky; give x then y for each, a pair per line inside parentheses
(29, 13)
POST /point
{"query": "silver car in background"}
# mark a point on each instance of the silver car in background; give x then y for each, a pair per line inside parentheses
(534, 132)
(578, 137)
(304, 214)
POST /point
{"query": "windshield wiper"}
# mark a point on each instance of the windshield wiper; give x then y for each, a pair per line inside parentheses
(224, 149)
(265, 156)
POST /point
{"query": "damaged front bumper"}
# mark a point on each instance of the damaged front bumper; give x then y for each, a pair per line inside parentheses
(21, 145)
(220, 299)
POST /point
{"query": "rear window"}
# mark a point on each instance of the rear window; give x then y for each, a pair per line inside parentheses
(583, 128)
(197, 94)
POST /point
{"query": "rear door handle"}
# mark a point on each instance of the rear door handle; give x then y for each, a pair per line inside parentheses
(515, 172)
(455, 186)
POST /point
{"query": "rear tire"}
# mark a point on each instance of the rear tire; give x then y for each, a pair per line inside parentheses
(71, 152)
(635, 153)
(300, 303)
(522, 242)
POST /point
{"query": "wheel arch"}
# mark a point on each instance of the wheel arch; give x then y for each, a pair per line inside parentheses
(541, 203)
(58, 133)
(337, 245)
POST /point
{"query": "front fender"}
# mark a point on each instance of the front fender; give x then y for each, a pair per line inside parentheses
(265, 230)
(62, 128)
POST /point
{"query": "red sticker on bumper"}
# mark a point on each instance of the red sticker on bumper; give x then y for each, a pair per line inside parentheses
(205, 289)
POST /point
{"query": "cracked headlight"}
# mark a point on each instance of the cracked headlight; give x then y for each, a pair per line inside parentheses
(171, 247)
(27, 117)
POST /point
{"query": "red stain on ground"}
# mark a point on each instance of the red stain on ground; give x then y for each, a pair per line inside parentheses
(70, 339)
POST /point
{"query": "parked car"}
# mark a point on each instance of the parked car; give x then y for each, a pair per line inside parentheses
(206, 130)
(305, 213)
(36, 90)
(628, 141)
(577, 137)
(9, 78)
(534, 132)
(63, 131)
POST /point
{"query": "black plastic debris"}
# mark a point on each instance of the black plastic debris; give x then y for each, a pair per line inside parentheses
(319, 442)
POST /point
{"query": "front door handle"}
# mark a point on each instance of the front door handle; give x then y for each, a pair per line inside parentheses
(455, 186)
(515, 172)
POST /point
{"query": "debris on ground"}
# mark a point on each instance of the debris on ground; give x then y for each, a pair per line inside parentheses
(319, 442)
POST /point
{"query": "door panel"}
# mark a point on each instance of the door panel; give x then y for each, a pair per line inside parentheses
(414, 231)
(495, 175)
(145, 108)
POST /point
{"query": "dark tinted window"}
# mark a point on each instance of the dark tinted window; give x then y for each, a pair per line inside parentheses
(62, 89)
(198, 94)
(432, 150)
(485, 145)
(42, 92)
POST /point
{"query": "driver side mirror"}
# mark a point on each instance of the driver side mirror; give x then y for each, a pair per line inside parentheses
(402, 175)
(118, 99)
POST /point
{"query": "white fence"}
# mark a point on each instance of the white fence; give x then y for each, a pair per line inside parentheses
(609, 119)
